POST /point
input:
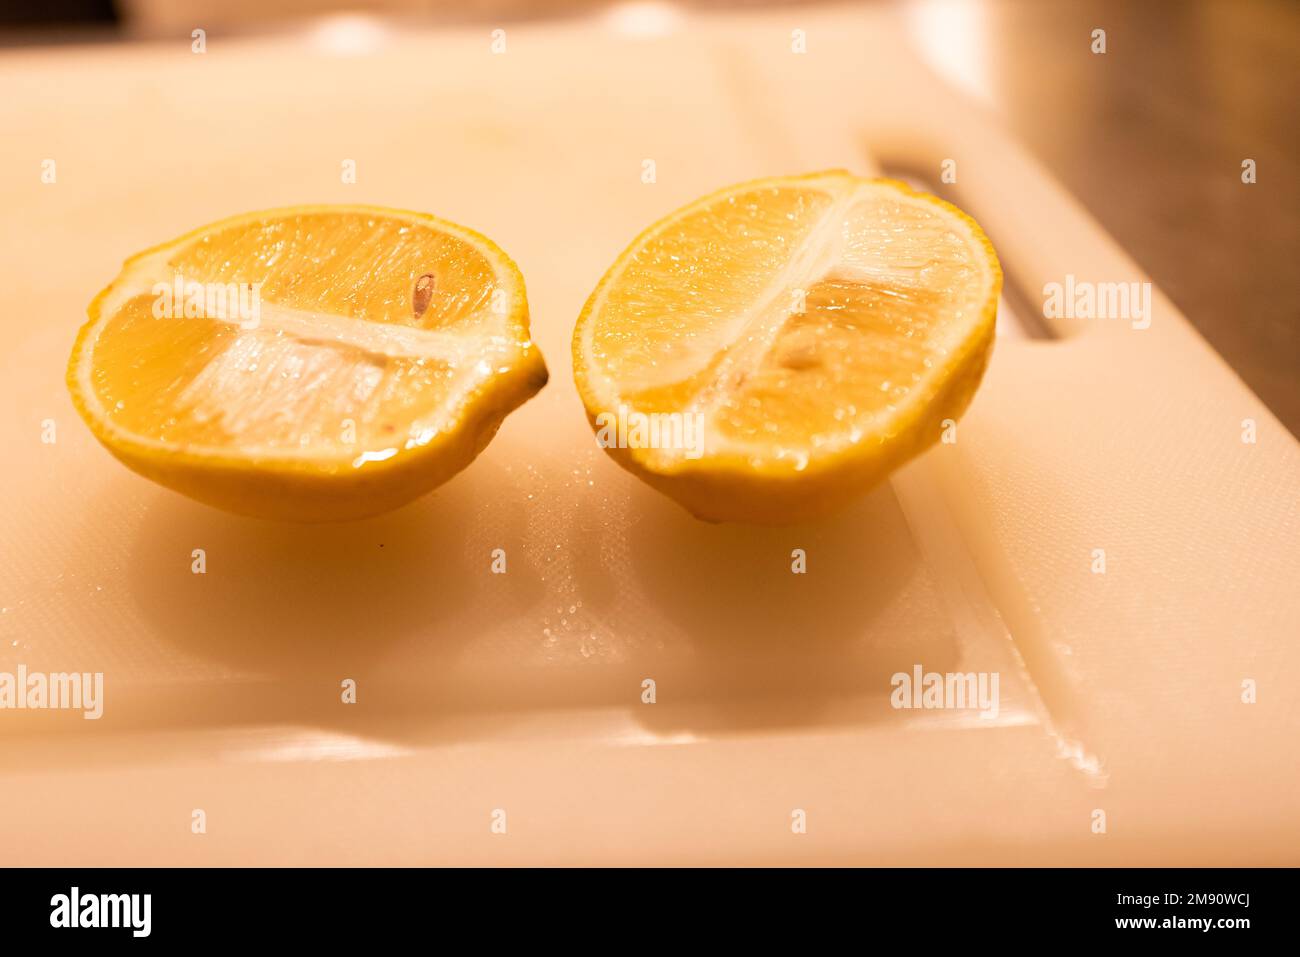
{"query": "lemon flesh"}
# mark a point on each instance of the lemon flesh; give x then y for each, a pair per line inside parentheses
(311, 364)
(808, 334)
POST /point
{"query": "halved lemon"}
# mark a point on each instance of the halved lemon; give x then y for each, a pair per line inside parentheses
(773, 349)
(314, 363)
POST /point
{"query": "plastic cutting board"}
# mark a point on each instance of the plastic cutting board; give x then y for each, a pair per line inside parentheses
(1120, 692)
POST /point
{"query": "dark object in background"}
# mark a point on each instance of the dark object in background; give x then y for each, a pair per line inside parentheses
(56, 12)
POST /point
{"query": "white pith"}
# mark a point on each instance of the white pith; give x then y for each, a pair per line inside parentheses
(479, 347)
(819, 256)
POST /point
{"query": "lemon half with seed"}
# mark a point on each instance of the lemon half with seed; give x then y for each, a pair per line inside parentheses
(312, 364)
(772, 350)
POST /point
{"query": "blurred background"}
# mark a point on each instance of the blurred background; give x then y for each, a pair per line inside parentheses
(1154, 150)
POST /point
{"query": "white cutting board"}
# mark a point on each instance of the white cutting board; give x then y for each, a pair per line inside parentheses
(1119, 692)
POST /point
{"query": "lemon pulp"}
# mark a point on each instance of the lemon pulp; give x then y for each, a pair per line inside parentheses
(325, 386)
(820, 329)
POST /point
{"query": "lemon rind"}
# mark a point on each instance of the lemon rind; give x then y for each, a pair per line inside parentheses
(702, 484)
(526, 375)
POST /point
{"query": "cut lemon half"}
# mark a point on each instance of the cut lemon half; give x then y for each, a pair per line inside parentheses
(773, 349)
(315, 363)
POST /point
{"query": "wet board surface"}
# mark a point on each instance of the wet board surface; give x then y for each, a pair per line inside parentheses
(1120, 692)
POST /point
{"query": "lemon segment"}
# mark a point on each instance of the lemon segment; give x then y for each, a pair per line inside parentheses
(313, 364)
(817, 331)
